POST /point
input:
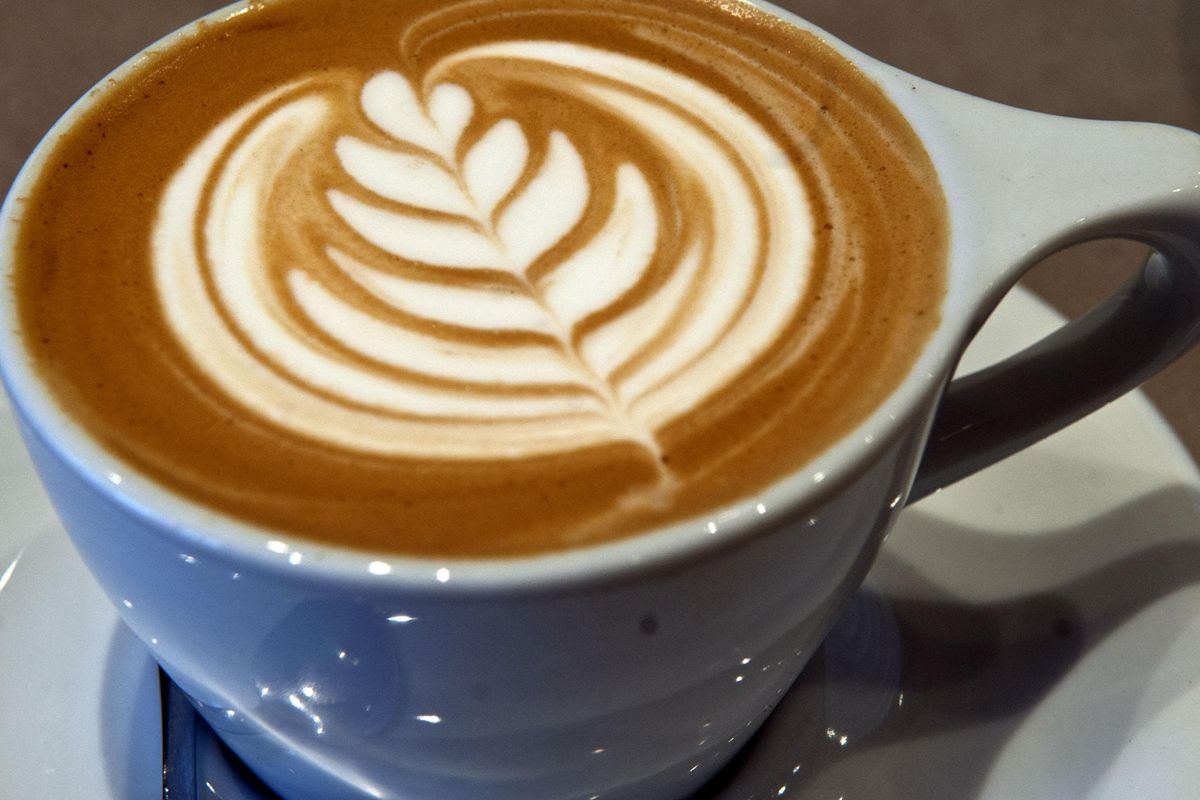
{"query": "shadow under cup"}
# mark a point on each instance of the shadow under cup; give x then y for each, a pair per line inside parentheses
(635, 668)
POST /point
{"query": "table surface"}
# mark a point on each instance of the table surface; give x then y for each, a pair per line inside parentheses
(1116, 59)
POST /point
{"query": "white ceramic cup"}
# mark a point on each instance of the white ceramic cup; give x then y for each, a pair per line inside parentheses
(633, 669)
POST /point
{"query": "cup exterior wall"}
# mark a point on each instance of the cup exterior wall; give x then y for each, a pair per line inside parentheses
(639, 686)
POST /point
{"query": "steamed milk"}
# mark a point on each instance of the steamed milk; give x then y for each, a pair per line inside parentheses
(473, 278)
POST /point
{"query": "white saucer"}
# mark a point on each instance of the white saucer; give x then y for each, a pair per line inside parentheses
(1033, 632)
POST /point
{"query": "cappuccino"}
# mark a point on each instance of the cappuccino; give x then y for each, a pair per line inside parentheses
(468, 278)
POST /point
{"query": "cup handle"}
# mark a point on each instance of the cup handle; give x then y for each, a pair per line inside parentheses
(1031, 185)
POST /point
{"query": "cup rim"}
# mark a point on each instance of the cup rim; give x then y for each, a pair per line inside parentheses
(197, 527)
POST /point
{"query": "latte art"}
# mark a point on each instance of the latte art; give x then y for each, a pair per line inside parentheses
(613, 335)
(472, 278)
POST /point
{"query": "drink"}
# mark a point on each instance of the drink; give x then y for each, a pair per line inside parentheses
(348, 287)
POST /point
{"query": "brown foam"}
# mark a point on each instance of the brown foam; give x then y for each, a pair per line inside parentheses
(92, 319)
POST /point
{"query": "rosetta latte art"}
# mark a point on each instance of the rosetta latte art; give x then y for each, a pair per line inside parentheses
(479, 289)
(482, 278)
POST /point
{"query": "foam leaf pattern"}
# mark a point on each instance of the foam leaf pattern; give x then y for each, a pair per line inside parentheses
(478, 293)
(549, 205)
(501, 219)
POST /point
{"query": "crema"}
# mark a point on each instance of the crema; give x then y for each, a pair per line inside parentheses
(485, 277)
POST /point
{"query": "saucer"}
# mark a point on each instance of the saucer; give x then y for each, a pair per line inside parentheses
(1031, 632)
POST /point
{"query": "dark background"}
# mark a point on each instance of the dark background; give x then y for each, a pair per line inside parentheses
(1117, 59)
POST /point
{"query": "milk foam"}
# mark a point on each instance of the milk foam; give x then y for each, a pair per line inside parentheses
(578, 342)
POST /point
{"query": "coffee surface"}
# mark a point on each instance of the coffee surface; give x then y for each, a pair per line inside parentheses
(480, 278)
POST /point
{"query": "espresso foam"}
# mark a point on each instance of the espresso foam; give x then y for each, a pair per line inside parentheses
(483, 277)
(474, 207)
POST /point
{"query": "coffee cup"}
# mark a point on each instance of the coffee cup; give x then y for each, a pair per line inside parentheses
(633, 666)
